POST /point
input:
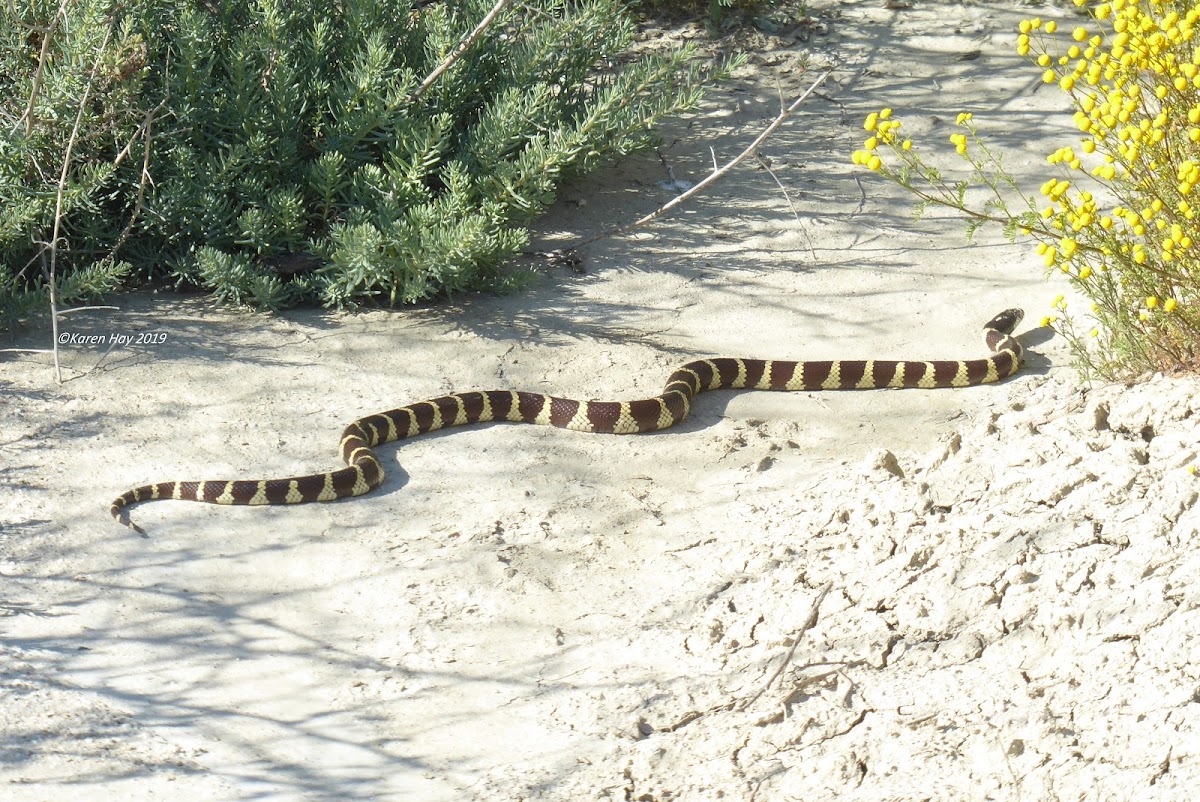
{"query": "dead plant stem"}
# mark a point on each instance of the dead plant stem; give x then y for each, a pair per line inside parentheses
(712, 177)
(458, 52)
(52, 269)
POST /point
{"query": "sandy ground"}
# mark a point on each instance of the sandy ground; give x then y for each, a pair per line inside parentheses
(968, 594)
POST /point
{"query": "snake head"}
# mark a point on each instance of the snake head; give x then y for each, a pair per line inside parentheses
(1006, 321)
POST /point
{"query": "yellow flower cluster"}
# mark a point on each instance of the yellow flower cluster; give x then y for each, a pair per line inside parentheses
(959, 141)
(1059, 303)
(1055, 189)
(1137, 93)
(1069, 213)
(1066, 155)
(1116, 104)
(1133, 75)
(883, 129)
(1152, 303)
(1167, 305)
(1188, 176)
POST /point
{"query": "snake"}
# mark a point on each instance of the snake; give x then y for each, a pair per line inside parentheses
(364, 471)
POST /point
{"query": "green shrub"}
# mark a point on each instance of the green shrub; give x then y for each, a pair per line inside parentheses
(286, 156)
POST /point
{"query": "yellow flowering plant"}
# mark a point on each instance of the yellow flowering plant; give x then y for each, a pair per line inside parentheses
(1117, 216)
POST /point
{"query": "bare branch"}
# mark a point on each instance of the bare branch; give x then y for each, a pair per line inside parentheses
(52, 270)
(145, 131)
(43, 59)
(65, 312)
(787, 196)
(809, 623)
(458, 52)
(715, 175)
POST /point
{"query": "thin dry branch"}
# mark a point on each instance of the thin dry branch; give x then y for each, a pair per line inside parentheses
(72, 310)
(43, 59)
(809, 623)
(712, 177)
(52, 269)
(788, 197)
(458, 52)
(12, 9)
(145, 131)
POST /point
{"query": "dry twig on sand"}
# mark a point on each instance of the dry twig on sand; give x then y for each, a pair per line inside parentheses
(715, 175)
(809, 623)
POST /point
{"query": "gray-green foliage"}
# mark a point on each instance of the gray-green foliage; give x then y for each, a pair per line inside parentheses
(58, 62)
(275, 133)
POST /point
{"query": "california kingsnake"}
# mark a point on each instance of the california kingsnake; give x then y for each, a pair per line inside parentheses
(615, 417)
